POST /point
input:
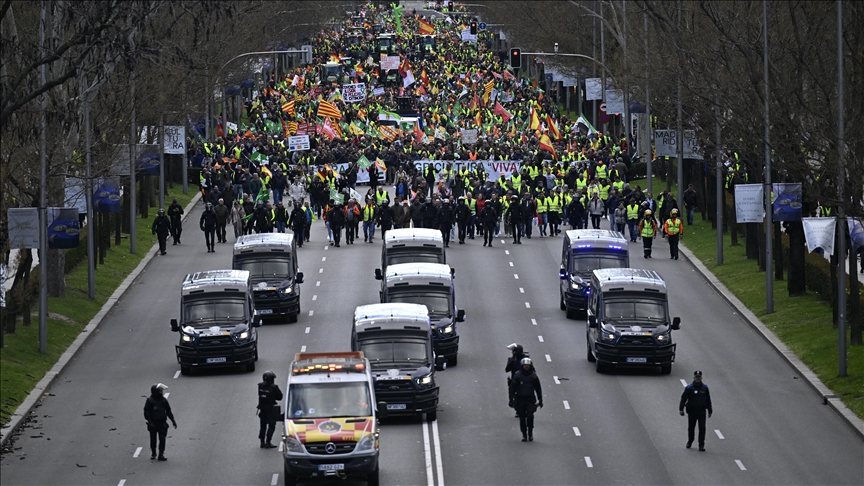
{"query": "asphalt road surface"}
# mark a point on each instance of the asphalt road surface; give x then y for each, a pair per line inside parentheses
(622, 427)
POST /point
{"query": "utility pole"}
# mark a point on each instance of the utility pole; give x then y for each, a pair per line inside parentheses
(680, 135)
(43, 199)
(646, 133)
(594, 55)
(841, 212)
(603, 61)
(719, 168)
(133, 140)
(88, 191)
(161, 161)
(627, 121)
(766, 191)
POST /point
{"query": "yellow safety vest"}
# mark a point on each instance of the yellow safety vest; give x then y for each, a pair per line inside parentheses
(604, 191)
(581, 183)
(633, 212)
(619, 186)
(647, 229)
(554, 204)
(516, 182)
(368, 213)
(601, 171)
(673, 226)
(541, 204)
(380, 197)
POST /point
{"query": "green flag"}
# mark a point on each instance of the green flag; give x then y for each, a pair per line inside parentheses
(263, 195)
(390, 114)
(363, 162)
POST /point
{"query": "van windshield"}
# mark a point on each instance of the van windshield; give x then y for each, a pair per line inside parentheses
(210, 310)
(437, 303)
(583, 264)
(635, 310)
(275, 266)
(329, 400)
(416, 255)
(395, 352)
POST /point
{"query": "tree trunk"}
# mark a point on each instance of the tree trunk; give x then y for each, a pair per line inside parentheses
(796, 284)
(751, 241)
(855, 300)
(834, 314)
(778, 252)
(711, 200)
(117, 228)
(733, 219)
(124, 205)
(759, 228)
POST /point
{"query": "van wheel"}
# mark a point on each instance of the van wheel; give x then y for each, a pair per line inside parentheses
(601, 368)
(289, 479)
(452, 361)
(666, 369)
(562, 305)
(250, 367)
(432, 416)
(292, 318)
(185, 370)
(591, 358)
(372, 479)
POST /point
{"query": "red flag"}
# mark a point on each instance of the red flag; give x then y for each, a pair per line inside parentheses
(553, 129)
(499, 110)
(425, 27)
(546, 144)
(418, 134)
(404, 67)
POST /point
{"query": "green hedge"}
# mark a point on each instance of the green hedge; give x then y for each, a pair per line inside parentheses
(817, 277)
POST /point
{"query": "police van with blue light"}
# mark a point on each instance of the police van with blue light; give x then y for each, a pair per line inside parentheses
(432, 285)
(218, 322)
(396, 340)
(331, 422)
(411, 245)
(271, 260)
(628, 320)
(584, 251)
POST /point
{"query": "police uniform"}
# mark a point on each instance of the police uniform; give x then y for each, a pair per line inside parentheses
(526, 395)
(697, 400)
(268, 410)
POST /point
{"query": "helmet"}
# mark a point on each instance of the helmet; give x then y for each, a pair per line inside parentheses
(209, 206)
(385, 203)
(161, 212)
(525, 361)
(158, 388)
(674, 212)
(648, 212)
(516, 348)
(269, 376)
(461, 198)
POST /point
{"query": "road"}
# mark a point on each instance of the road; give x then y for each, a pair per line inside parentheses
(768, 426)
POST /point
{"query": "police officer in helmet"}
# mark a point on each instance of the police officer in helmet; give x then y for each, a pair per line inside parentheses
(268, 410)
(526, 395)
(157, 411)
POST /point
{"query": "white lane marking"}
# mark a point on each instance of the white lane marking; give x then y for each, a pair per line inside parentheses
(548, 358)
(566, 405)
(282, 444)
(176, 374)
(506, 252)
(320, 270)
(527, 305)
(122, 482)
(318, 283)
(307, 330)
(503, 242)
(683, 383)
(511, 263)
(326, 247)
(275, 479)
(516, 276)
(166, 394)
(576, 431)
(439, 464)
(540, 338)
(534, 321)
(557, 381)
(740, 465)
(137, 452)
(588, 462)
(323, 259)
(311, 313)
(719, 435)
(315, 297)
(303, 349)
(521, 290)
(430, 476)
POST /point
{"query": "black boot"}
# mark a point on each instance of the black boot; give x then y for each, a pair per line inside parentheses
(162, 457)
(531, 434)
(152, 454)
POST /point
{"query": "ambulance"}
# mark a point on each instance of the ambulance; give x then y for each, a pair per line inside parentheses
(331, 421)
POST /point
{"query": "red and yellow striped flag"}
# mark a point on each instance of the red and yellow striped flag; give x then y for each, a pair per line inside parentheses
(425, 27)
(328, 110)
(289, 107)
(292, 127)
(546, 144)
(553, 129)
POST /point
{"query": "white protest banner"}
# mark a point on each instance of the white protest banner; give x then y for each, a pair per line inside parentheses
(593, 89)
(493, 168)
(467, 37)
(819, 233)
(614, 101)
(390, 62)
(362, 174)
(378, 91)
(469, 136)
(666, 144)
(297, 143)
(23, 227)
(175, 140)
(749, 203)
(352, 93)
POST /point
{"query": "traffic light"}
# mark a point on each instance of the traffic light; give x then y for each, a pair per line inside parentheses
(450, 6)
(516, 58)
(473, 28)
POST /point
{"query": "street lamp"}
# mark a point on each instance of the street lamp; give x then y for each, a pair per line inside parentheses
(556, 48)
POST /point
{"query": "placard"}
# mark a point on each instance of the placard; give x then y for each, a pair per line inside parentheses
(175, 140)
(749, 203)
(469, 136)
(594, 89)
(297, 143)
(467, 37)
(352, 93)
(390, 62)
(666, 144)
(378, 91)
(819, 233)
(614, 101)
(23, 227)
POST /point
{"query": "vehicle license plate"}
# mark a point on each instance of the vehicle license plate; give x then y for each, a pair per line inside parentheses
(216, 360)
(265, 311)
(637, 360)
(396, 406)
(331, 467)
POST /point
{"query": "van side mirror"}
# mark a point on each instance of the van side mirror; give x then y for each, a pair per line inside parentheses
(378, 275)
(440, 363)
(256, 320)
(562, 274)
(452, 273)
(676, 323)
(382, 410)
(460, 315)
(592, 322)
(174, 326)
(299, 277)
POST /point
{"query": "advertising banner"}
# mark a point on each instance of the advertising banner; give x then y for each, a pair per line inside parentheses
(297, 143)
(106, 196)
(175, 140)
(593, 89)
(23, 227)
(749, 203)
(666, 144)
(819, 233)
(787, 202)
(63, 228)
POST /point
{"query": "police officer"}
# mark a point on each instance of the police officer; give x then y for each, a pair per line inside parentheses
(157, 411)
(514, 213)
(446, 215)
(514, 362)
(697, 400)
(208, 226)
(524, 387)
(268, 410)
(175, 212)
(488, 217)
(162, 228)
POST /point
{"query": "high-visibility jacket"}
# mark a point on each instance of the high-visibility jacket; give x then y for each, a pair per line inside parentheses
(516, 182)
(369, 213)
(618, 185)
(542, 204)
(581, 184)
(633, 212)
(601, 171)
(533, 172)
(503, 181)
(464, 174)
(673, 227)
(472, 205)
(380, 197)
(554, 204)
(647, 228)
(604, 191)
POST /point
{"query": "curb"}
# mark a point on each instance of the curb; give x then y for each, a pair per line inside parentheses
(39, 390)
(828, 396)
